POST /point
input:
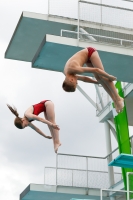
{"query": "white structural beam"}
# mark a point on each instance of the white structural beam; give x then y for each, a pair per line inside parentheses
(114, 132)
(87, 97)
(86, 34)
(109, 158)
(99, 95)
(112, 127)
(111, 123)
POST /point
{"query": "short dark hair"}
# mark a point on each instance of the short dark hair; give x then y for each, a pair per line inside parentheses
(68, 87)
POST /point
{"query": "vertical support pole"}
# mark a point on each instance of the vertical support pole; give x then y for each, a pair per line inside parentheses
(61, 33)
(78, 22)
(128, 185)
(109, 159)
(101, 194)
(56, 169)
(99, 95)
(48, 8)
(87, 172)
(44, 175)
(131, 145)
(101, 14)
(72, 177)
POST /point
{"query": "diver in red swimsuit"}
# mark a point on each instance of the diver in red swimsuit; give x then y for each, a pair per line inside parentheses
(75, 66)
(31, 114)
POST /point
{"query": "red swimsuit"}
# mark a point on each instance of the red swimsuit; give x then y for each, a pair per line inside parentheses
(90, 52)
(38, 108)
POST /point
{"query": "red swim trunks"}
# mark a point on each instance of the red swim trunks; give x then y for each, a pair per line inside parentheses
(90, 52)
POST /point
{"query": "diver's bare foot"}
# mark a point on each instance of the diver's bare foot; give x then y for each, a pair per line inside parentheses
(119, 105)
(56, 146)
(112, 78)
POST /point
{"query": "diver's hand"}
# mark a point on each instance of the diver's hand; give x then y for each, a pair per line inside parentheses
(55, 126)
(48, 137)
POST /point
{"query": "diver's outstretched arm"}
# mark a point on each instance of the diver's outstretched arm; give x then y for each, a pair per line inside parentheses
(35, 117)
(86, 79)
(38, 130)
(99, 72)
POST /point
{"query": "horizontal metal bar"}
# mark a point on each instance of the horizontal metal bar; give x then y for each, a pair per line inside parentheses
(63, 30)
(111, 153)
(107, 37)
(104, 5)
(80, 170)
(116, 190)
(87, 156)
(92, 156)
(62, 154)
(128, 0)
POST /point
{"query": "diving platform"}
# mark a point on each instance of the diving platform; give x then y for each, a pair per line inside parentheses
(123, 160)
(45, 192)
(37, 39)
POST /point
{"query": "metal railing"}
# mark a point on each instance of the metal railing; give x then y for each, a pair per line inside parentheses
(100, 13)
(98, 38)
(82, 171)
(113, 194)
(106, 100)
(96, 14)
(78, 177)
(90, 11)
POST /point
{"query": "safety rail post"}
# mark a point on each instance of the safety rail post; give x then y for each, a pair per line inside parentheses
(87, 172)
(101, 198)
(44, 175)
(132, 144)
(72, 177)
(48, 7)
(61, 32)
(127, 176)
(78, 22)
(109, 158)
(127, 186)
(56, 169)
(101, 14)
